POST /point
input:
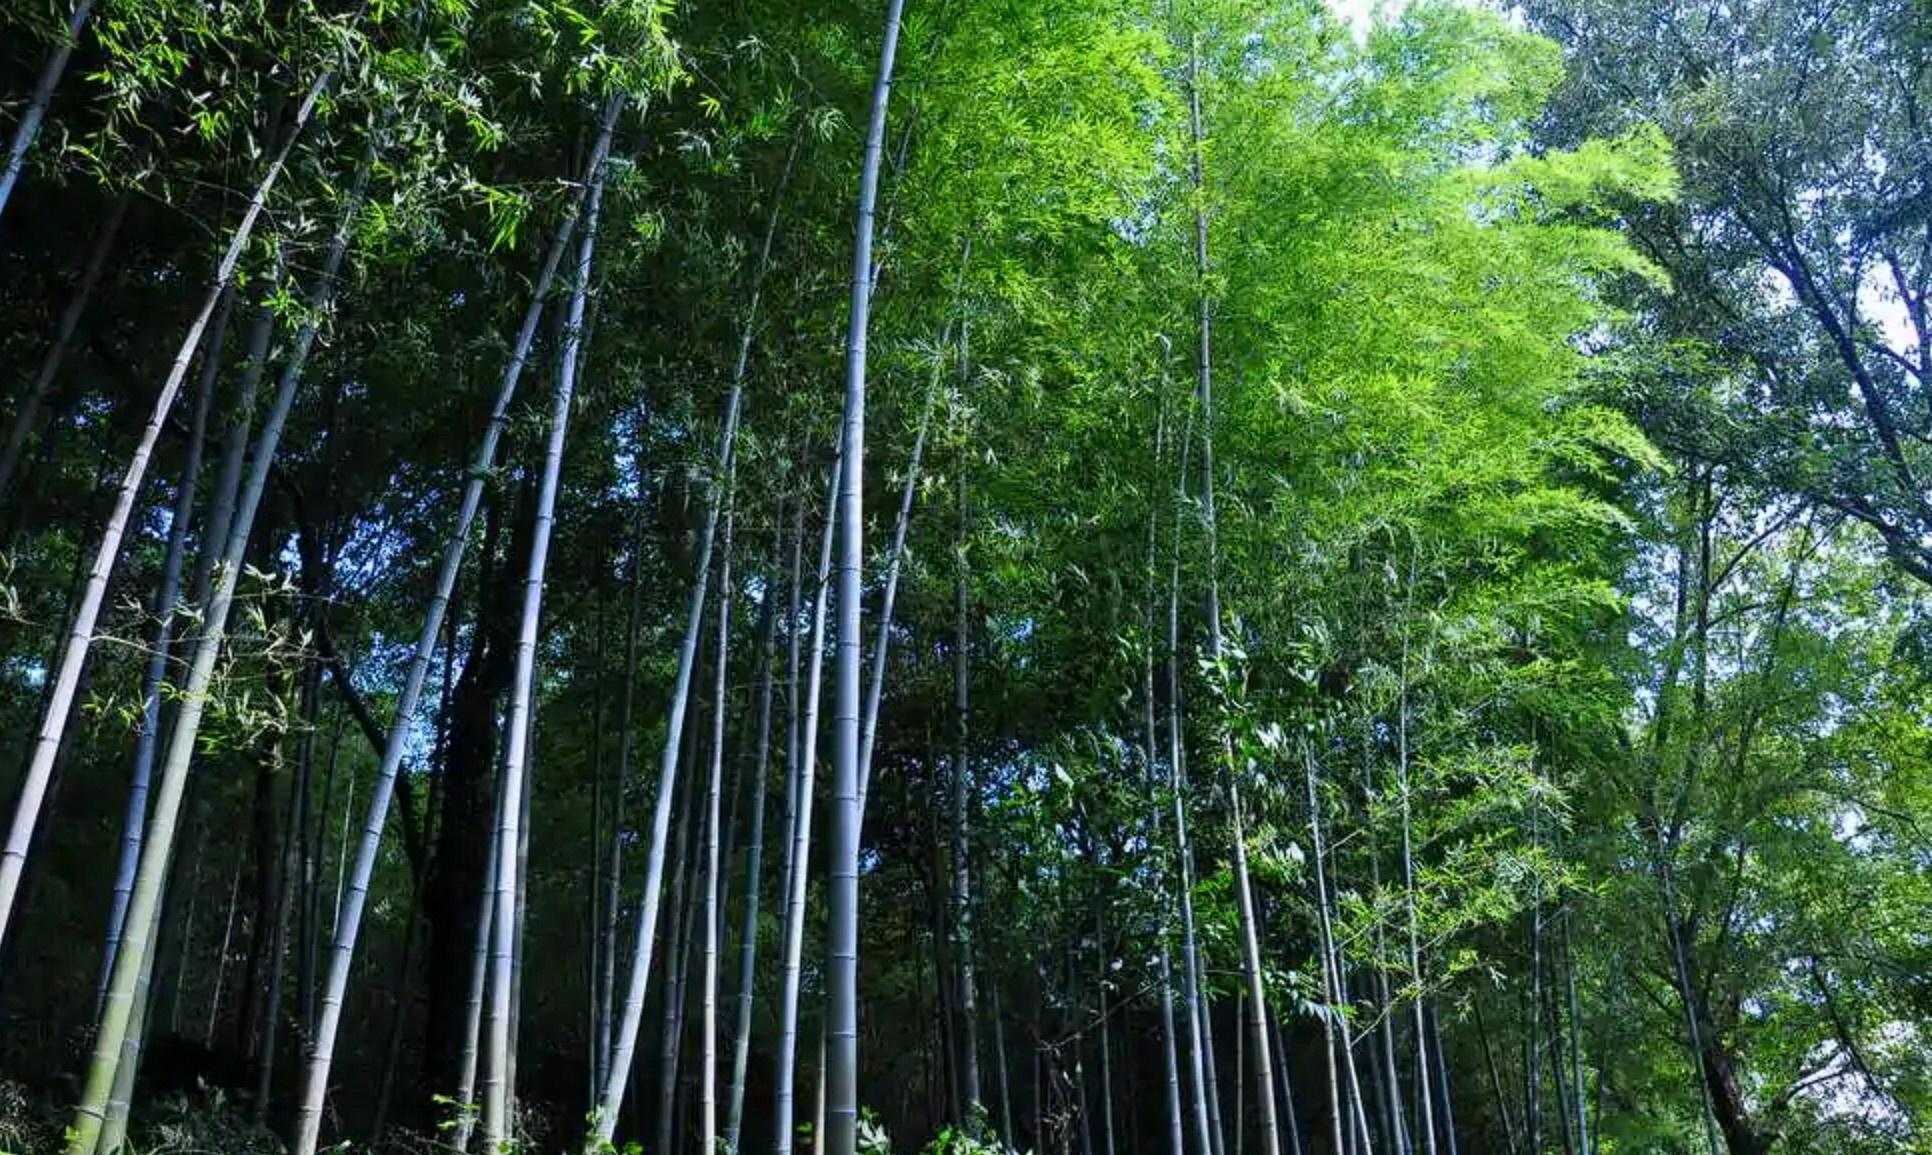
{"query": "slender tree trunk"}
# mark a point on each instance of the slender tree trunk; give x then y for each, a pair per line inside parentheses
(1680, 960)
(1495, 1078)
(157, 852)
(598, 1022)
(36, 110)
(479, 986)
(794, 590)
(1217, 1126)
(1150, 752)
(1240, 1125)
(520, 921)
(1532, 1045)
(1442, 1083)
(325, 829)
(1244, 890)
(882, 641)
(121, 1099)
(1205, 1125)
(875, 685)
(939, 918)
(318, 866)
(43, 382)
(1290, 1116)
(842, 1026)
(1205, 398)
(186, 960)
(320, 590)
(754, 866)
(399, 1019)
(1081, 1105)
(1337, 996)
(1387, 1075)
(415, 926)
(794, 707)
(1578, 1091)
(1425, 1100)
(713, 876)
(614, 1087)
(1257, 994)
(818, 1105)
(1176, 1143)
(133, 827)
(604, 1120)
(713, 941)
(228, 477)
(221, 956)
(80, 640)
(671, 1038)
(962, 787)
(620, 790)
(801, 837)
(264, 838)
(284, 908)
(1558, 1082)
(512, 852)
(382, 793)
(1106, 1043)
(1011, 1137)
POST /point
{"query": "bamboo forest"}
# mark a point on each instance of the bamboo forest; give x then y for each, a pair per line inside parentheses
(966, 577)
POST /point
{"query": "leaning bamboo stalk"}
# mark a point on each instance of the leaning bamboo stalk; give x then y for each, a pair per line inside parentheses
(43, 382)
(135, 823)
(895, 557)
(604, 1117)
(125, 993)
(382, 792)
(512, 852)
(121, 1098)
(613, 862)
(479, 987)
(80, 639)
(319, 302)
(43, 95)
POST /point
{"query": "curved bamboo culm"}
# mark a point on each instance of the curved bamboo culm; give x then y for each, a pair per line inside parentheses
(355, 901)
(80, 639)
(43, 95)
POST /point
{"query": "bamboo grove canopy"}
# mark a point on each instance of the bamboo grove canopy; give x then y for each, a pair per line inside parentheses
(1187, 578)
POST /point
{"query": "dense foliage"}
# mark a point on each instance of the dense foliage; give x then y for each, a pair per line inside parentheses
(1364, 588)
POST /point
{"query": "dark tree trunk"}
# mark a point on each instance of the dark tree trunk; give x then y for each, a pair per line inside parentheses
(464, 819)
